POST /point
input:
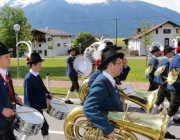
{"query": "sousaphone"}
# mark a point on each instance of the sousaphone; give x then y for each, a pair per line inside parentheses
(82, 65)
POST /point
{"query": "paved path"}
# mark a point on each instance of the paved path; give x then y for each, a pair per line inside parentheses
(66, 84)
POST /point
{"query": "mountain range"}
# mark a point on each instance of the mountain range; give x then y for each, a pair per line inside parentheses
(94, 18)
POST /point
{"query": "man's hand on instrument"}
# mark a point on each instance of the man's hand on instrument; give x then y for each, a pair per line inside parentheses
(111, 135)
(18, 99)
(50, 94)
(124, 62)
(7, 112)
(47, 101)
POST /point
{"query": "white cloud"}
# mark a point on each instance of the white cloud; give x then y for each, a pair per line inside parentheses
(86, 1)
(3, 2)
(24, 2)
(170, 4)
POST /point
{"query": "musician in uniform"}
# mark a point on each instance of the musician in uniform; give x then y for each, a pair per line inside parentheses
(174, 90)
(103, 95)
(73, 75)
(161, 80)
(35, 93)
(123, 73)
(154, 62)
(8, 98)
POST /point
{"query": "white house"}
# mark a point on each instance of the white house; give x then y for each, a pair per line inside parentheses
(162, 33)
(51, 42)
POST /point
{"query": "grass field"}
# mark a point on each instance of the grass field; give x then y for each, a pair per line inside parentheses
(57, 69)
(58, 92)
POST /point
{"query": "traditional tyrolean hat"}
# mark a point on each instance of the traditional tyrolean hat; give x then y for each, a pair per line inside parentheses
(34, 58)
(108, 55)
(4, 49)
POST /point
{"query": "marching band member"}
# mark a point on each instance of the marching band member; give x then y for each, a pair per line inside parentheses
(73, 75)
(153, 61)
(8, 98)
(103, 95)
(35, 93)
(174, 91)
(123, 73)
(161, 80)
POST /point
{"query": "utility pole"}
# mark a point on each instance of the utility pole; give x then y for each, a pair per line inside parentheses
(116, 31)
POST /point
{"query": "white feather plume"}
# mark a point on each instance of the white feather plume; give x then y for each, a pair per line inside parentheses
(175, 41)
(29, 47)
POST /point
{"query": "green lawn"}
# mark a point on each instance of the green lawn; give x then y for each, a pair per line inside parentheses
(57, 69)
(57, 92)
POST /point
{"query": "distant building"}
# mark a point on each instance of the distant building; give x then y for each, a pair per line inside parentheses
(162, 33)
(51, 42)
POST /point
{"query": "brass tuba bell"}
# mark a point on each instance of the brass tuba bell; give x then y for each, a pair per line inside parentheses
(160, 70)
(77, 127)
(145, 99)
(149, 69)
(172, 76)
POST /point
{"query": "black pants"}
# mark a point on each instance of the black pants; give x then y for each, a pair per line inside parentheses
(174, 103)
(152, 85)
(6, 133)
(162, 93)
(75, 84)
(45, 127)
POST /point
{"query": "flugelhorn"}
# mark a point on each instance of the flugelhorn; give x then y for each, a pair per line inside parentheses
(160, 70)
(77, 127)
(172, 76)
(149, 69)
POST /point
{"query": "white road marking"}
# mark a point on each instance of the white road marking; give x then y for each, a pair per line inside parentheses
(56, 132)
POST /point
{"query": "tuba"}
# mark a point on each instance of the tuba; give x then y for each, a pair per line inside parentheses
(145, 99)
(172, 76)
(160, 70)
(77, 127)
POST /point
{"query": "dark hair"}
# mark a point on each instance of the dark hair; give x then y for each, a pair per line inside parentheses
(32, 64)
(105, 66)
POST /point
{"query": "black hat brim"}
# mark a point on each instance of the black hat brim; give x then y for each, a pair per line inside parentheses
(155, 51)
(118, 48)
(109, 59)
(9, 50)
(171, 49)
(31, 62)
(71, 50)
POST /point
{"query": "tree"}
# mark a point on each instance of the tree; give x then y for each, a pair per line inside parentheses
(146, 38)
(81, 38)
(9, 16)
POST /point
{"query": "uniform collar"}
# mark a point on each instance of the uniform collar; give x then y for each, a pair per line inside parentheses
(107, 75)
(3, 73)
(166, 58)
(34, 73)
(155, 57)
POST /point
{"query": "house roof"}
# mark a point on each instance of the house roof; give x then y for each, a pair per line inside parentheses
(150, 29)
(53, 32)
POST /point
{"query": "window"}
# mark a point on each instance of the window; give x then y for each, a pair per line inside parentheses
(39, 45)
(167, 31)
(39, 51)
(58, 45)
(156, 31)
(50, 47)
(177, 31)
(50, 38)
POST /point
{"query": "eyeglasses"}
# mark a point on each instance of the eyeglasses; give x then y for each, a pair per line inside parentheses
(118, 63)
